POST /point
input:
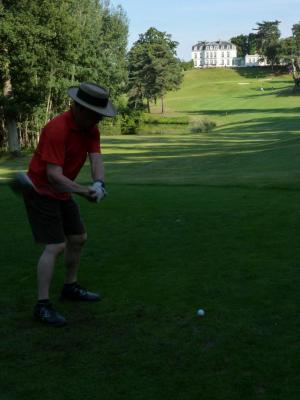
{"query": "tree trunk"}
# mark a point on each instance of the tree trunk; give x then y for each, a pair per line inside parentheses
(148, 106)
(10, 122)
(9, 118)
(48, 108)
(296, 72)
(162, 105)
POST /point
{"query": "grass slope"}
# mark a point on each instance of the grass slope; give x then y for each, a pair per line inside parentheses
(256, 142)
(192, 221)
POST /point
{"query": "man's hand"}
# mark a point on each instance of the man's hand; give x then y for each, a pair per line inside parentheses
(98, 191)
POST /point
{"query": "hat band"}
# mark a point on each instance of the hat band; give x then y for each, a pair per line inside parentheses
(95, 101)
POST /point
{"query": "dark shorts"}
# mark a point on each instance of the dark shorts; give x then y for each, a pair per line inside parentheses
(52, 220)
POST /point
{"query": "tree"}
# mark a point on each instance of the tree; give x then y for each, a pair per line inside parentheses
(252, 43)
(295, 59)
(187, 65)
(102, 53)
(290, 53)
(268, 45)
(6, 100)
(241, 43)
(154, 68)
(246, 44)
(47, 46)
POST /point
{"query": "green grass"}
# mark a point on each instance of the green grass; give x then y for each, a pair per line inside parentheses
(191, 221)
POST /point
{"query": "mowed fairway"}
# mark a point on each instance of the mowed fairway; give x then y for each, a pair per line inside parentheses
(192, 221)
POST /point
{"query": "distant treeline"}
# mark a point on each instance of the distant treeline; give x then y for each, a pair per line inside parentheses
(48, 45)
(268, 43)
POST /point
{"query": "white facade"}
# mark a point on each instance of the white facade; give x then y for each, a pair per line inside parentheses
(214, 54)
(222, 54)
(254, 60)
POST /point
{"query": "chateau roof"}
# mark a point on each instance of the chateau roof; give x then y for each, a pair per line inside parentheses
(219, 43)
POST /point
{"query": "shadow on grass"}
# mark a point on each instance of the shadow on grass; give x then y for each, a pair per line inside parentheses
(290, 91)
(233, 111)
(166, 158)
(258, 126)
(260, 134)
(287, 91)
(260, 72)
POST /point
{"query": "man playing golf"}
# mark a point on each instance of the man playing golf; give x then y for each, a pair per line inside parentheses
(54, 216)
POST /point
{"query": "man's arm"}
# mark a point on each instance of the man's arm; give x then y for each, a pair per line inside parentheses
(63, 184)
(97, 167)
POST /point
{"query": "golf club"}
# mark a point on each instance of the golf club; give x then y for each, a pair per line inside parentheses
(21, 181)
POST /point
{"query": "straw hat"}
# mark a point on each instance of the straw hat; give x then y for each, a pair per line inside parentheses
(93, 97)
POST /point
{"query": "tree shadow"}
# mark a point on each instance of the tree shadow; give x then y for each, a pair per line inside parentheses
(292, 91)
(232, 111)
(258, 126)
(260, 72)
(287, 91)
(255, 135)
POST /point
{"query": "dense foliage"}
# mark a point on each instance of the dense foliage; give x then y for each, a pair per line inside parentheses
(49, 45)
(267, 42)
(246, 44)
(153, 67)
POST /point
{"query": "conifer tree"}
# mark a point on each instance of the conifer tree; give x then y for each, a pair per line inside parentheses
(154, 68)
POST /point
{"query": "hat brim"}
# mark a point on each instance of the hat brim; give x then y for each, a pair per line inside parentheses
(108, 111)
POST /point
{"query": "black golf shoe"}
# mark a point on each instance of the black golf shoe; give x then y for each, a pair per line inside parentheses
(76, 292)
(46, 314)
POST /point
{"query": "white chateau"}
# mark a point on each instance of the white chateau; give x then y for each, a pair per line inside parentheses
(221, 54)
(213, 54)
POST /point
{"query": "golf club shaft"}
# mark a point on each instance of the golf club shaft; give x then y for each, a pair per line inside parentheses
(21, 181)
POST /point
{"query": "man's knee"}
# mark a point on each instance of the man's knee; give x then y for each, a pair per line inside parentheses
(55, 249)
(76, 241)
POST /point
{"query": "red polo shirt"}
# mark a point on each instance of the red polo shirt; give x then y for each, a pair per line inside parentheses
(63, 144)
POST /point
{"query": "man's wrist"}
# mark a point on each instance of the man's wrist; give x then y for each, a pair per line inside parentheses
(100, 181)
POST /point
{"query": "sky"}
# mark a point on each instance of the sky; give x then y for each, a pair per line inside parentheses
(190, 21)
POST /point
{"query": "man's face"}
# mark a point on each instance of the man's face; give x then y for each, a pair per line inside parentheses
(85, 118)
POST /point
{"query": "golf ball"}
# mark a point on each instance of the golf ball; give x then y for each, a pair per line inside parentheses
(200, 312)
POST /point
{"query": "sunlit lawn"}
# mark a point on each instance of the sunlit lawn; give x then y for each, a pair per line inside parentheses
(206, 221)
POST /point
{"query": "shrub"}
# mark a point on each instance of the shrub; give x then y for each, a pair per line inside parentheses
(156, 120)
(202, 126)
(130, 122)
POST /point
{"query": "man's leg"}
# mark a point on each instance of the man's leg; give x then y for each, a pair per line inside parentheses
(43, 310)
(45, 268)
(74, 244)
(45, 218)
(72, 290)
